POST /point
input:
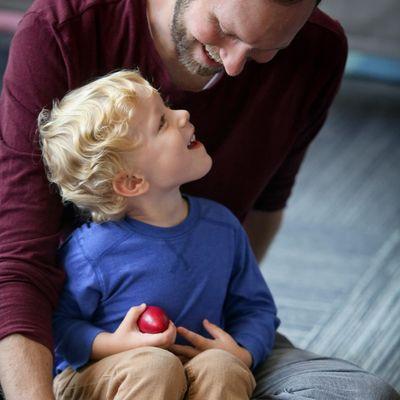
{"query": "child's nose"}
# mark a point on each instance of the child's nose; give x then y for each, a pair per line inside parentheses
(183, 118)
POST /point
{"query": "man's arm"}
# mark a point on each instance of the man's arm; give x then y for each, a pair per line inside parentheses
(25, 369)
(261, 227)
(30, 216)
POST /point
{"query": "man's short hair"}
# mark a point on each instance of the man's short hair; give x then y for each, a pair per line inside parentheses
(83, 138)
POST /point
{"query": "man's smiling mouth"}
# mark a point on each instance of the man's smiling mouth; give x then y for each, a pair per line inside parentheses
(212, 53)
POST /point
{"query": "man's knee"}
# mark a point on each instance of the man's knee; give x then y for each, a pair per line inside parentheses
(374, 388)
(354, 385)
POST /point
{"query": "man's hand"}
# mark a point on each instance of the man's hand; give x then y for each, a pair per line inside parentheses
(25, 369)
(222, 340)
(128, 336)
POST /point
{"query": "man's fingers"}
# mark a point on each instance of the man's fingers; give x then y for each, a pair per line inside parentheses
(195, 339)
(215, 331)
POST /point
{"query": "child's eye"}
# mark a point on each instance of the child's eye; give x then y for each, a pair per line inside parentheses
(162, 122)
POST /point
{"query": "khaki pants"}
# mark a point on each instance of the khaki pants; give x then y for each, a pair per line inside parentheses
(150, 373)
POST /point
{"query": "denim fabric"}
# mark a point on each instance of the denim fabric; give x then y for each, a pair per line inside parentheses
(293, 374)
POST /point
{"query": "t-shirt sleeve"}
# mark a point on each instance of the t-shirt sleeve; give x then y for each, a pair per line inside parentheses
(30, 217)
(275, 195)
(250, 311)
(72, 322)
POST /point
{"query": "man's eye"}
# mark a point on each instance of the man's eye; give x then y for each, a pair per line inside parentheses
(224, 33)
(162, 122)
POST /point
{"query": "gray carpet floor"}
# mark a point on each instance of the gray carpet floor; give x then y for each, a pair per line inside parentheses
(371, 26)
(334, 268)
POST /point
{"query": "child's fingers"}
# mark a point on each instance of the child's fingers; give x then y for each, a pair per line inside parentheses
(184, 351)
(131, 317)
(195, 339)
(163, 339)
(171, 333)
(215, 331)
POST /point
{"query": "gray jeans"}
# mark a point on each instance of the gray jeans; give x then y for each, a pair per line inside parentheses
(294, 374)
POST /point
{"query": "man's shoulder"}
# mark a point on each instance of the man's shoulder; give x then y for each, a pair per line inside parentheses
(61, 12)
(326, 23)
(325, 28)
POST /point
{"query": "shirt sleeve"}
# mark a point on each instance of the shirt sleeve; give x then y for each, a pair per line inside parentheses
(275, 195)
(250, 311)
(31, 213)
(72, 322)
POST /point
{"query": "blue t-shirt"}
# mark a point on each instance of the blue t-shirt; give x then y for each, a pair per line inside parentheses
(200, 268)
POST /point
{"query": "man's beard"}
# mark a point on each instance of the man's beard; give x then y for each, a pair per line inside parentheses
(184, 46)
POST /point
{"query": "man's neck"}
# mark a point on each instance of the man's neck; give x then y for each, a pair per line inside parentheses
(163, 210)
(159, 17)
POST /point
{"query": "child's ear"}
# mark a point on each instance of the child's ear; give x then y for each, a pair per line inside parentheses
(129, 185)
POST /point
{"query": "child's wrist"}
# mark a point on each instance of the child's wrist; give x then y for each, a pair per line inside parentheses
(104, 345)
(245, 356)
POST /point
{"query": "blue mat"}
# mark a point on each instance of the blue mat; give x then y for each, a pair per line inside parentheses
(366, 66)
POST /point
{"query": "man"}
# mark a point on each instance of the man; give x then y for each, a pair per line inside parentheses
(283, 62)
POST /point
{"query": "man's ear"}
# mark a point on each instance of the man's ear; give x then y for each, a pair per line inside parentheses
(128, 185)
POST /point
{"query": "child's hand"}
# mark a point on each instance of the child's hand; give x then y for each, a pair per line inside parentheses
(128, 336)
(222, 340)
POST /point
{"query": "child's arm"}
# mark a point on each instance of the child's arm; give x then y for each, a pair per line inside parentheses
(128, 336)
(249, 310)
(73, 330)
(77, 339)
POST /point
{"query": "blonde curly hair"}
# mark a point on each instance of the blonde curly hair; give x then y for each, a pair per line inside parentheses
(83, 138)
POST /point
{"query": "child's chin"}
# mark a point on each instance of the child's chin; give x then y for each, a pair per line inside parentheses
(207, 168)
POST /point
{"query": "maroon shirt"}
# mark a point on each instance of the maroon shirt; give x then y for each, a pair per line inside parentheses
(256, 126)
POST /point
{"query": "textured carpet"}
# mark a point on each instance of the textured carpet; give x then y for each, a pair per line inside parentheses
(334, 268)
(372, 26)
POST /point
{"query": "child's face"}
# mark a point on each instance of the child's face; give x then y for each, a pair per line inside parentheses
(167, 156)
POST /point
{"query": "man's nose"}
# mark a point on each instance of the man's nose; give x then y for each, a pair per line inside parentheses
(234, 57)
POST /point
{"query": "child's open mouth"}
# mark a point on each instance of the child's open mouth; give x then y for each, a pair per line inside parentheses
(193, 143)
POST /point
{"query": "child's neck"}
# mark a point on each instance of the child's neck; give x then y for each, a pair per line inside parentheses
(166, 210)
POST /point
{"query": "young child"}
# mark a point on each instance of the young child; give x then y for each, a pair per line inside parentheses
(115, 150)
